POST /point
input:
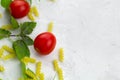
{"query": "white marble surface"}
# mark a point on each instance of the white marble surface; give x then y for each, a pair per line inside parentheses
(89, 31)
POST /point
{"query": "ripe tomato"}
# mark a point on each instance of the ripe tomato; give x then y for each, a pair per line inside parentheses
(19, 8)
(45, 43)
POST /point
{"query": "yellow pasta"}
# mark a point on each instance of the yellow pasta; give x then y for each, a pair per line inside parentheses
(60, 74)
(61, 54)
(58, 69)
(38, 68)
(8, 49)
(6, 27)
(1, 52)
(50, 27)
(9, 56)
(30, 74)
(41, 76)
(31, 17)
(2, 68)
(35, 11)
(55, 64)
(28, 60)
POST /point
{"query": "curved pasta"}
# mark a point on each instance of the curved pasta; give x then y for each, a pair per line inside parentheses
(9, 56)
(30, 74)
(60, 74)
(27, 60)
(8, 49)
(38, 68)
(35, 11)
(30, 16)
(41, 76)
(50, 27)
(55, 64)
(1, 68)
(61, 54)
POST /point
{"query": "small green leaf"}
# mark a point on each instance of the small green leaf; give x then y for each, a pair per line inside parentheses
(4, 33)
(5, 3)
(27, 27)
(21, 49)
(27, 40)
(23, 69)
(14, 23)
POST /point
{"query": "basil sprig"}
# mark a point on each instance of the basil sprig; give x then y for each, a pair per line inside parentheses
(5, 3)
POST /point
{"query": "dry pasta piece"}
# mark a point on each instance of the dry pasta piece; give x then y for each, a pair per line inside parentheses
(61, 54)
(55, 64)
(6, 27)
(50, 27)
(9, 56)
(28, 60)
(35, 11)
(31, 17)
(30, 74)
(2, 69)
(8, 49)
(38, 68)
(60, 74)
(42, 76)
(1, 52)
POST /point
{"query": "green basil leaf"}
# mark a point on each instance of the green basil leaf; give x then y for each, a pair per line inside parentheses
(14, 23)
(21, 49)
(27, 27)
(27, 40)
(4, 33)
(23, 69)
(5, 3)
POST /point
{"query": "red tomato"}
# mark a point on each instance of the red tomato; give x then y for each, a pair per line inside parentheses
(45, 43)
(19, 8)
